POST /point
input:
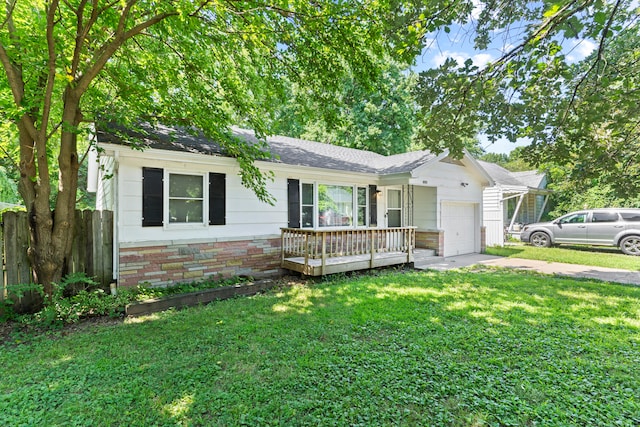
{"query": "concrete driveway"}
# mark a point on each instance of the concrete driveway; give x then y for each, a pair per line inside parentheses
(557, 268)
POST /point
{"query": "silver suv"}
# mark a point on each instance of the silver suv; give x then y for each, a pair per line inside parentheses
(606, 227)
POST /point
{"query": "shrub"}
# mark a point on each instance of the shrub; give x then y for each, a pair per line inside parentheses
(79, 296)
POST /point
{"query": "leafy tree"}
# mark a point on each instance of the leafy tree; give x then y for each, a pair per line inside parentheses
(377, 116)
(497, 158)
(198, 63)
(514, 161)
(583, 116)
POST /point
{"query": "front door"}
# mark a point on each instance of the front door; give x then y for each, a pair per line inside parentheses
(394, 208)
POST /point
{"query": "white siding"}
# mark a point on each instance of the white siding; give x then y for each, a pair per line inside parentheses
(493, 216)
(425, 208)
(105, 194)
(455, 184)
(246, 216)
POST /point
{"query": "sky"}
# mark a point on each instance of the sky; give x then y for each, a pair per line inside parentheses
(458, 44)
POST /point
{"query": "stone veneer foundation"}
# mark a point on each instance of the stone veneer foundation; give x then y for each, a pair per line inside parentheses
(163, 264)
(430, 239)
(434, 239)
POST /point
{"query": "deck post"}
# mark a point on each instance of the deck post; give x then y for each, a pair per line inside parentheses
(373, 250)
(324, 254)
(409, 243)
(306, 252)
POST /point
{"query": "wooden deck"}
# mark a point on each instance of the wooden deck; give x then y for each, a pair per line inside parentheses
(320, 252)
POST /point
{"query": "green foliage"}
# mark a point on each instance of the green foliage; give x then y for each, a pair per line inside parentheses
(143, 291)
(456, 348)
(513, 161)
(582, 117)
(197, 64)
(78, 297)
(571, 195)
(378, 117)
(8, 187)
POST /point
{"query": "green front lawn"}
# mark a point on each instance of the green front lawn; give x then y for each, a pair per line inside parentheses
(417, 348)
(597, 256)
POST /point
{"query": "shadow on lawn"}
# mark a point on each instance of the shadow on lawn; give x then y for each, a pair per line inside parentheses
(343, 345)
(386, 349)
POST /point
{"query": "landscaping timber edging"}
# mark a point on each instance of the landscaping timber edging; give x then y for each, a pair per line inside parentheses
(198, 297)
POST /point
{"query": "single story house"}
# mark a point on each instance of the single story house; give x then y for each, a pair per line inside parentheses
(517, 198)
(181, 211)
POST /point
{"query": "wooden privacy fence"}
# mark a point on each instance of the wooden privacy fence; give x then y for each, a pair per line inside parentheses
(92, 248)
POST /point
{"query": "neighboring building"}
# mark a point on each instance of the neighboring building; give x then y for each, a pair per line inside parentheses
(4, 205)
(181, 211)
(517, 198)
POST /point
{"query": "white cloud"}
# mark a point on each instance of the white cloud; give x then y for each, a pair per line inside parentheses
(478, 7)
(479, 59)
(482, 59)
(580, 49)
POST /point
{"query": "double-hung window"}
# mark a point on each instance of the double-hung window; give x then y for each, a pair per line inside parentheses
(186, 198)
(172, 198)
(362, 206)
(308, 197)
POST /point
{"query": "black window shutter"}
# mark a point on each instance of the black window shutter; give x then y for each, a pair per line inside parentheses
(373, 206)
(217, 199)
(293, 196)
(152, 197)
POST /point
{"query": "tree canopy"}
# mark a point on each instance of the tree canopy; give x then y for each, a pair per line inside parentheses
(377, 117)
(583, 115)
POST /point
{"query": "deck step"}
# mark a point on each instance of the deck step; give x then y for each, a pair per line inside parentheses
(420, 254)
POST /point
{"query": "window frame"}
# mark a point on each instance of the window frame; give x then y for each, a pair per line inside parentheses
(354, 205)
(167, 200)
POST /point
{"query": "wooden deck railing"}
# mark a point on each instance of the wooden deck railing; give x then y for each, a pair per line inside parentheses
(332, 243)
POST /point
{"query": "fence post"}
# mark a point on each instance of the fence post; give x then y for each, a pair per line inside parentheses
(3, 283)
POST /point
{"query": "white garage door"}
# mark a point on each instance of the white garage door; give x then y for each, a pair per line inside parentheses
(459, 225)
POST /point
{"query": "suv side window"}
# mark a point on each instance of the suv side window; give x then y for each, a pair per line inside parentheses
(578, 218)
(630, 216)
(604, 217)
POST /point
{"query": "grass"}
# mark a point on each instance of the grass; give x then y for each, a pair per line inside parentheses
(419, 348)
(571, 254)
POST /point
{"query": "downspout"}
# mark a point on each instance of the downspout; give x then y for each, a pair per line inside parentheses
(116, 217)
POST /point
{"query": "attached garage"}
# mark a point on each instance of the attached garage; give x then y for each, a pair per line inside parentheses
(460, 225)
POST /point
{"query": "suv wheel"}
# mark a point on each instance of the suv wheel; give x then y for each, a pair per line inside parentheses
(540, 239)
(630, 245)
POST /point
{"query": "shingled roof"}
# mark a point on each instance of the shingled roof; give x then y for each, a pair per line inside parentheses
(291, 151)
(504, 177)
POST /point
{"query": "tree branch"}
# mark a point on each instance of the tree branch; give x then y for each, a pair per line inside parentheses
(10, 6)
(121, 36)
(599, 58)
(51, 66)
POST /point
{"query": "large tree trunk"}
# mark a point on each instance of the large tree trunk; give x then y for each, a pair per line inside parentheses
(52, 231)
